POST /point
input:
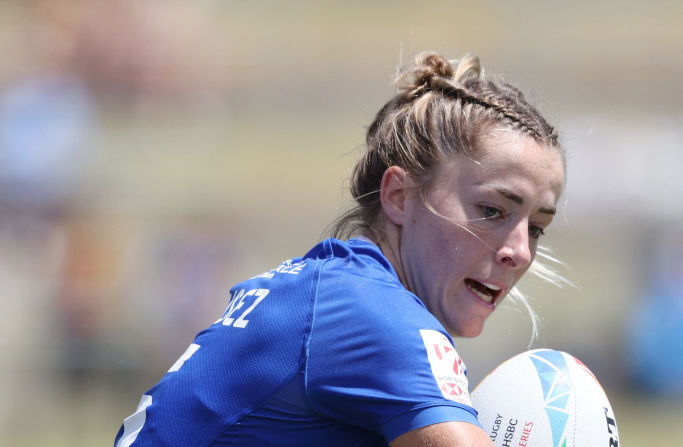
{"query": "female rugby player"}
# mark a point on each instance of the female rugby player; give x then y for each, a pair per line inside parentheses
(352, 343)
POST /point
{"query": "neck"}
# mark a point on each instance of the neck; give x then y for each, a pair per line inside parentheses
(390, 244)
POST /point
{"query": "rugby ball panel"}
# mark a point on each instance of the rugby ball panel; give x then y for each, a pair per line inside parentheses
(545, 398)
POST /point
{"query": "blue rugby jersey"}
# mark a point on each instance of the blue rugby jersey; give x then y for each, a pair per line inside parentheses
(325, 349)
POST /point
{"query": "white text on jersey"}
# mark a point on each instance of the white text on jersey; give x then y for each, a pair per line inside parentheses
(238, 301)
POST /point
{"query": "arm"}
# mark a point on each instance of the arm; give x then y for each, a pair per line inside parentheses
(445, 434)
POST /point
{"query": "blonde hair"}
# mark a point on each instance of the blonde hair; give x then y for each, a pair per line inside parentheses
(442, 108)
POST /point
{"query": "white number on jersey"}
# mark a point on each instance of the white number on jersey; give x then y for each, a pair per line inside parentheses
(183, 358)
(133, 423)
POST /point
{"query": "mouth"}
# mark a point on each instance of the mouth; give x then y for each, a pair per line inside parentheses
(487, 292)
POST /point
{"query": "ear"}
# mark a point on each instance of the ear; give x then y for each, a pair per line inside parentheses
(394, 192)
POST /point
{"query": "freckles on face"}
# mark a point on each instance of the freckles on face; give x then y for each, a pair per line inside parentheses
(473, 232)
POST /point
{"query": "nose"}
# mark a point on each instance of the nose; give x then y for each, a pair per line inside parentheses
(515, 250)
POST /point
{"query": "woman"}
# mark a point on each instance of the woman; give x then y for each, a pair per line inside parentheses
(351, 343)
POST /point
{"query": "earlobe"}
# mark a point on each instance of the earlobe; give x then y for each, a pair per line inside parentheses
(396, 184)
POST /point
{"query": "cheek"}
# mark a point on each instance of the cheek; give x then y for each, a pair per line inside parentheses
(433, 248)
(461, 232)
(445, 245)
(476, 244)
(450, 250)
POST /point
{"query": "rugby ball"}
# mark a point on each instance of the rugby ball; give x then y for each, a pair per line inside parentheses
(545, 398)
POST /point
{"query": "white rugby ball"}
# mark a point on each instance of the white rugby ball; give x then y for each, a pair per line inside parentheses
(545, 398)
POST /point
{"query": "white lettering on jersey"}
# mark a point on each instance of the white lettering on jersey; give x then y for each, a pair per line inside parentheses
(260, 295)
(447, 367)
(237, 302)
(288, 267)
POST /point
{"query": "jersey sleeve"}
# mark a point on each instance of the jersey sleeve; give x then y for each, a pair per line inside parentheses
(232, 367)
(379, 360)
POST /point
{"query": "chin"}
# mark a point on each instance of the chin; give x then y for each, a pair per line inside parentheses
(469, 331)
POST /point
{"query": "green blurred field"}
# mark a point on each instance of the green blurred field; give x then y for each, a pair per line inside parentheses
(241, 129)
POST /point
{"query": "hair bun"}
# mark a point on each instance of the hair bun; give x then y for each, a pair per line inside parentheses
(428, 66)
(431, 69)
(433, 65)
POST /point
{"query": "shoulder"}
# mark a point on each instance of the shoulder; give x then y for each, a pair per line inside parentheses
(376, 356)
(355, 269)
(366, 324)
(353, 256)
(360, 278)
(358, 290)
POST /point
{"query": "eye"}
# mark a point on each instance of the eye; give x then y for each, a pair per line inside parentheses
(536, 232)
(490, 212)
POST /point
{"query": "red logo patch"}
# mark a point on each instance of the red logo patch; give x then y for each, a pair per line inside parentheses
(447, 367)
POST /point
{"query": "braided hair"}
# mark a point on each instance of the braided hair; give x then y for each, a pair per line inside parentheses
(441, 109)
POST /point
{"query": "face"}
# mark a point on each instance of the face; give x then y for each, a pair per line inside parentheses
(469, 237)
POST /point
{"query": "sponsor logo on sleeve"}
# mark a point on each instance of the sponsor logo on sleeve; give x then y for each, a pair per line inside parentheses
(447, 366)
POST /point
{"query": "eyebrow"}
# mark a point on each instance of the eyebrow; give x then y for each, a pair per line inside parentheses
(517, 199)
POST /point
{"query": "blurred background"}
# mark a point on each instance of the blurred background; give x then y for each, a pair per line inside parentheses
(154, 153)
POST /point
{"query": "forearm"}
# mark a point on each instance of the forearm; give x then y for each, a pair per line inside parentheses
(446, 434)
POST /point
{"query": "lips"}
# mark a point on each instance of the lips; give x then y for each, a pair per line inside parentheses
(486, 291)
